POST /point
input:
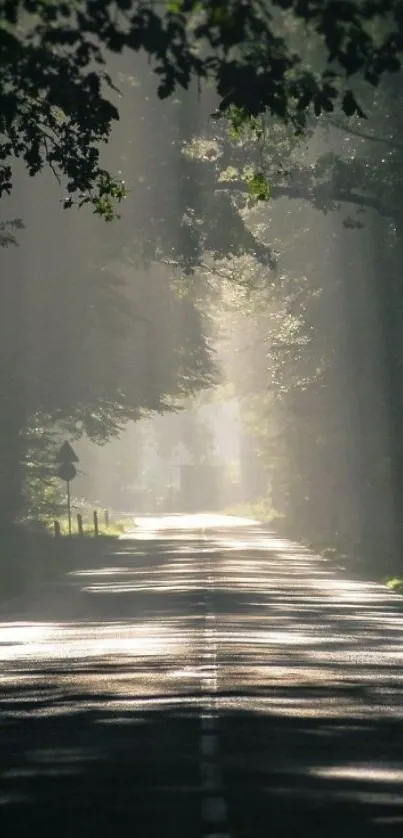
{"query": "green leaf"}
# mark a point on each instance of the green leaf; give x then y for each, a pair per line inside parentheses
(259, 187)
(174, 7)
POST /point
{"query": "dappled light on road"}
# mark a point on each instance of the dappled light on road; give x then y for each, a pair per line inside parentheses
(203, 520)
(362, 772)
(82, 640)
(331, 646)
(111, 669)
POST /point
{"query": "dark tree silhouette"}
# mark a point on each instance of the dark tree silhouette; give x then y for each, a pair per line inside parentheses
(54, 106)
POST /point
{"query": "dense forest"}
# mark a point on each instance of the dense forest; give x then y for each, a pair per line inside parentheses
(248, 243)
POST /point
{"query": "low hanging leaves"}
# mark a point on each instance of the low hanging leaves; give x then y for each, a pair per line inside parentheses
(259, 187)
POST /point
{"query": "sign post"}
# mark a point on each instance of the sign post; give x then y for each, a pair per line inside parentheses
(67, 471)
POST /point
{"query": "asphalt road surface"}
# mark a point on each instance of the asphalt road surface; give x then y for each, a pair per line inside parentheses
(206, 680)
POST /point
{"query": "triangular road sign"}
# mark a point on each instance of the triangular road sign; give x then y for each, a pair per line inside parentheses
(66, 454)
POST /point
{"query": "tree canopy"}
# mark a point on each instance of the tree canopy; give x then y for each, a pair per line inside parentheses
(306, 110)
(87, 343)
(316, 351)
(55, 104)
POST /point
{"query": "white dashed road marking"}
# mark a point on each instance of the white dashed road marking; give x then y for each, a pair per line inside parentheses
(208, 745)
(210, 776)
(214, 810)
(208, 721)
(213, 806)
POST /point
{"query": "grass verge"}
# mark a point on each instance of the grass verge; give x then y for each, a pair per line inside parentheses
(394, 583)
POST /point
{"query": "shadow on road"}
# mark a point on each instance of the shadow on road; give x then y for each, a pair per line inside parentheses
(102, 697)
(95, 766)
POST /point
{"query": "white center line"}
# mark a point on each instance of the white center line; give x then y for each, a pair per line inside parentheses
(214, 810)
(210, 776)
(208, 721)
(213, 805)
(208, 745)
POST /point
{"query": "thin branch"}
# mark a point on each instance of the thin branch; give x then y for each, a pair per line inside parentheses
(343, 196)
(311, 194)
(365, 135)
(50, 162)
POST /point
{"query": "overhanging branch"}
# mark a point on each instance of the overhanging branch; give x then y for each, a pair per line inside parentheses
(313, 195)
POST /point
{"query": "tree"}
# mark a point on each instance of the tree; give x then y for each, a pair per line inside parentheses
(318, 342)
(85, 347)
(54, 103)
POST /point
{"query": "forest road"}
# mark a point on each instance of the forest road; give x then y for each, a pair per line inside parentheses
(207, 680)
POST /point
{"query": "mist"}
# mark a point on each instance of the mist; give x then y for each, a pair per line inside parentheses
(201, 401)
(241, 345)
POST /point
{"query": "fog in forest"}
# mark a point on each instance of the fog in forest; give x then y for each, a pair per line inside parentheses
(208, 350)
(201, 418)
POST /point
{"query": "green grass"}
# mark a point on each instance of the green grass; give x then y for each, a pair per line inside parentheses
(114, 528)
(394, 583)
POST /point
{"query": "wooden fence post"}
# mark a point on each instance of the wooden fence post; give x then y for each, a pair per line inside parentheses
(80, 523)
(57, 529)
(96, 528)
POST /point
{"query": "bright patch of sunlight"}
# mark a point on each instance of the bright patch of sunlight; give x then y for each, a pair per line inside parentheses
(22, 641)
(371, 773)
(151, 587)
(310, 707)
(18, 633)
(189, 522)
(101, 571)
(278, 638)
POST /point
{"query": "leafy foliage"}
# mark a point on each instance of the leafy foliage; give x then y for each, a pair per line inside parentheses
(317, 345)
(259, 187)
(54, 107)
(6, 236)
(83, 351)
